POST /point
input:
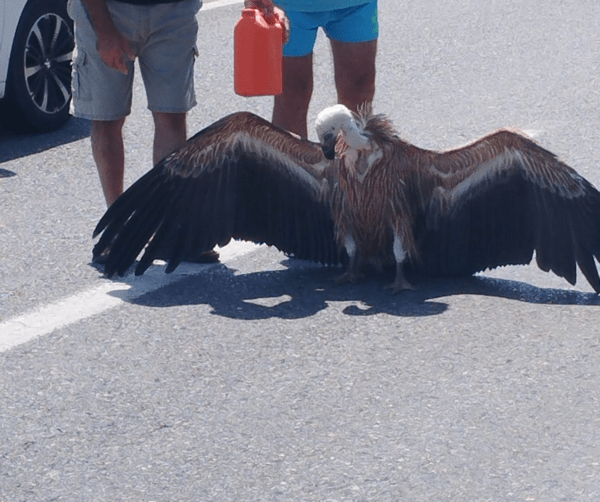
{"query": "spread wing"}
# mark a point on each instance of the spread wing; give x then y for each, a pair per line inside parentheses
(497, 201)
(239, 178)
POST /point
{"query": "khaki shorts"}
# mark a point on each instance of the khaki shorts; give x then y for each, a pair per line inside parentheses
(162, 36)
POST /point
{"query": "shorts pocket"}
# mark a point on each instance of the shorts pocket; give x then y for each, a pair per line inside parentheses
(80, 63)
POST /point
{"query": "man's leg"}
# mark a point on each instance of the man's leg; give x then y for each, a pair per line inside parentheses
(170, 133)
(354, 64)
(290, 109)
(108, 151)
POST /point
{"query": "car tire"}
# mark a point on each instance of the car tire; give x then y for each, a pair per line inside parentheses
(38, 87)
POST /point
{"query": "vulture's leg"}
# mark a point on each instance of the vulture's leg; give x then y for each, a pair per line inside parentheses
(400, 282)
(352, 274)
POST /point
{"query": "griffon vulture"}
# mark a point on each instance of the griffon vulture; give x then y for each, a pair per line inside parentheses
(363, 192)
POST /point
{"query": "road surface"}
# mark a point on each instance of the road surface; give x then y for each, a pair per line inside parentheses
(256, 379)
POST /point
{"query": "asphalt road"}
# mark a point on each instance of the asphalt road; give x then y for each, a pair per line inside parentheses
(256, 379)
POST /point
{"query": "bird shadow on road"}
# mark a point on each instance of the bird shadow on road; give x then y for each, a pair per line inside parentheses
(302, 289)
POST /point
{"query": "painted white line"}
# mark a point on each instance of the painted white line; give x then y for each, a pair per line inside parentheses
(57, 315)
(45, 320)
(219, 3)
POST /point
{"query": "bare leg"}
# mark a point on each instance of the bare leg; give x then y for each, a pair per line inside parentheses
(291, 106)
(354, 65)
(170, 133)
(108, 151)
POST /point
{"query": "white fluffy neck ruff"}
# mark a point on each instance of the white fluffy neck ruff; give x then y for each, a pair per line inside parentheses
(339, 118)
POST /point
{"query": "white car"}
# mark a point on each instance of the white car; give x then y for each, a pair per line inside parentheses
(36, 47)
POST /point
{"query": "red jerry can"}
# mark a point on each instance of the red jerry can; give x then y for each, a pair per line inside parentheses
(258, 54)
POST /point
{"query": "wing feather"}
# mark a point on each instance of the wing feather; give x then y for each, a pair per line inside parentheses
(499, 200)
(239, 178)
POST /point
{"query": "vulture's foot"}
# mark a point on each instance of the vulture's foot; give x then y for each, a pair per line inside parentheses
(350, 276)
(401, 285)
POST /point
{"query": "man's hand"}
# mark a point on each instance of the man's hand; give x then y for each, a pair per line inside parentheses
(115, 51)
(268, 9)
(113, 47)
(266, 6)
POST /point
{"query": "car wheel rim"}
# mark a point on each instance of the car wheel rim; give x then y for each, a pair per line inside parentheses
(47, 63)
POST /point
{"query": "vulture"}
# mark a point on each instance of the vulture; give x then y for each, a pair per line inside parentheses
(360, 196)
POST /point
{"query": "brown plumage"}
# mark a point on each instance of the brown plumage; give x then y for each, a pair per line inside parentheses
(370, 195)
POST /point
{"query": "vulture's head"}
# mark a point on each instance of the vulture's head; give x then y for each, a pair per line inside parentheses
(336, 120)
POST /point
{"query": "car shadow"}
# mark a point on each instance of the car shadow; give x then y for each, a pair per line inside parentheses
(303, 289)
(14, 146)
(5, 173)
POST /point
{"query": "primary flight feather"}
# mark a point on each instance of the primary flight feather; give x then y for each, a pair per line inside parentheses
(362, 192)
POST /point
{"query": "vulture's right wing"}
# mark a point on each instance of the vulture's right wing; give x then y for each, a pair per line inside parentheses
(240, 178)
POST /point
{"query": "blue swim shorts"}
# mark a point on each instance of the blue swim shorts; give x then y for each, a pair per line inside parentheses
(352, 24)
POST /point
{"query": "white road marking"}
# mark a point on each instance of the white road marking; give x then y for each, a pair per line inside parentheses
(45, 320)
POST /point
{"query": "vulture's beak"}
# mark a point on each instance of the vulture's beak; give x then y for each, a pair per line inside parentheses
(328, 145)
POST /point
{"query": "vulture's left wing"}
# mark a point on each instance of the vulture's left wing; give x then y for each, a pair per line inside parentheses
(239, 178)
(497, 201)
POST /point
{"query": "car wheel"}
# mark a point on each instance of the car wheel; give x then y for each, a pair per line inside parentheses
(38, 88)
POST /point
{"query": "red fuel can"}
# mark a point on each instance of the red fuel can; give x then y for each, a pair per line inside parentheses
(258, 54)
